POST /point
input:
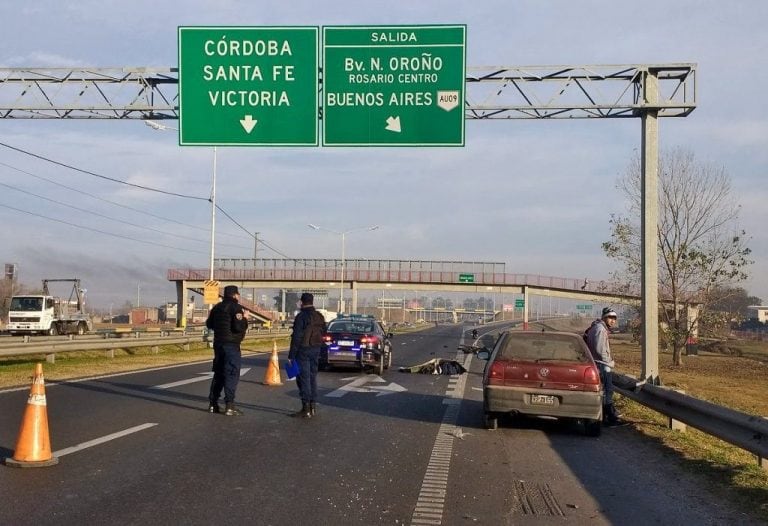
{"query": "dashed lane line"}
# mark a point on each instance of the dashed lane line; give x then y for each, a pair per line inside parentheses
(434, 486)
(101, 440)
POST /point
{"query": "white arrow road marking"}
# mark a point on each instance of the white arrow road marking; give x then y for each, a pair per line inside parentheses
(388, 389)
(248, 123)
(200, 378)
(97, 441)
(393, 124)
(356, 386)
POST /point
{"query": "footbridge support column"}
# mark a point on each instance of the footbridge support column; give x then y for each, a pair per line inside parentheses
(181, 304)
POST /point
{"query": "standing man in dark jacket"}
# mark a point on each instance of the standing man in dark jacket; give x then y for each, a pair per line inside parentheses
(228, 322)
(306, 340)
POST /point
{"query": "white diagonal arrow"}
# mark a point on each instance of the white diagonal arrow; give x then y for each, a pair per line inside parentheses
(357, 383)
(388, 389)
(201, 377)
(248, 123)
(393, 124)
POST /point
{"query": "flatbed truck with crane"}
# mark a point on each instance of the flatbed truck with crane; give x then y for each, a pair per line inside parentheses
(48, 314)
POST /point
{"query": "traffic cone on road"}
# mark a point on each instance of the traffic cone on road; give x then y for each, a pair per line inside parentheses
(33, 447)
(272, 376)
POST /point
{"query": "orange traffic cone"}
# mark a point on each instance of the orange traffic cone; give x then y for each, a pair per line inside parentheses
(33, 447)
(272, 376)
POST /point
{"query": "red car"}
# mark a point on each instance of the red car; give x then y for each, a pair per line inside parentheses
(549, 374)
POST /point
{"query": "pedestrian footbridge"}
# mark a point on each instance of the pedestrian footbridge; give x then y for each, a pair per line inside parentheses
(353, 275)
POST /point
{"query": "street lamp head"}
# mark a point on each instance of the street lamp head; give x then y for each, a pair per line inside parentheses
(374, 227)
(314, 227)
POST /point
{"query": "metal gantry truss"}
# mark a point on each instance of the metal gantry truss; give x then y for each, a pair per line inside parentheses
(645, 91)
(493, 92)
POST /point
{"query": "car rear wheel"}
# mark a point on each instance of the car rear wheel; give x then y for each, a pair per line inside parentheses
(491, 420)
(593, 428)
(388, 363)
(380, 365)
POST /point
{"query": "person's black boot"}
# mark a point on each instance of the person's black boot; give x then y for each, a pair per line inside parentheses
(304, 412)
(231, 411)
(312, 409)
(213, 407)
(611, 417)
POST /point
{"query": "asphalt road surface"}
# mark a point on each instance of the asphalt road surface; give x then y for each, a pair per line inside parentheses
(140, 448)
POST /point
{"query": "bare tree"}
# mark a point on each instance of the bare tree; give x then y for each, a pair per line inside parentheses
(701, 248)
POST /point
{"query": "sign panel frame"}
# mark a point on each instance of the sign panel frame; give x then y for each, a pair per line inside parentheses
(248, 85)
(378, 58)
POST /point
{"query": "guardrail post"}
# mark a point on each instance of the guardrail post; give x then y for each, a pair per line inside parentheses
(71, 337)
(155, 349)
(676, 425)
(50, 358)
(109, 353)
(185, 346)
(26, 338)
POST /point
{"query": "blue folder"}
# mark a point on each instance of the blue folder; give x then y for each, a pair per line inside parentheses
(292, 368)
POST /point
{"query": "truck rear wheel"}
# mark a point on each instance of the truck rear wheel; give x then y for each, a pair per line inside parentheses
(54, 330)
(81, 328)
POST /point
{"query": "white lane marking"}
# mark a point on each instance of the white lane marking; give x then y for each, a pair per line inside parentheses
(97, 441)
(203, 376)
(477, 388)
(357, 383)
(53, 383)
(431, 500)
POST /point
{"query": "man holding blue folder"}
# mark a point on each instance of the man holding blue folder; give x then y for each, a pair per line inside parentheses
(306, 340)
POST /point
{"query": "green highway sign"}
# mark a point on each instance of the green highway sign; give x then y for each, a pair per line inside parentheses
(466, 278)
(584, 307)
(394, 85)
(248, 86)
(519, 304)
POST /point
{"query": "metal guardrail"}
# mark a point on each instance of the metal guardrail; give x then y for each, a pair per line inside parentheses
(50, 349)
(749, 432)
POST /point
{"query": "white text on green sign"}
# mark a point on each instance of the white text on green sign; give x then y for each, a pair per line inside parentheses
(400, 85)
(248, 86)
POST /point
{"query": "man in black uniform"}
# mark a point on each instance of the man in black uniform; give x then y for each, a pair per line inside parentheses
(306, 340)
(228, 322)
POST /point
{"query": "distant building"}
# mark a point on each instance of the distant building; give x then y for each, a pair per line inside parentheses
(759, 313)
(141, 315)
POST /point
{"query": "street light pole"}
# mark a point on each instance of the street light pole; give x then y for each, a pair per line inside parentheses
(343, 235)
(213, 212)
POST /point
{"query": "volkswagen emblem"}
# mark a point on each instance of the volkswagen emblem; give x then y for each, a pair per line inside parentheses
(544, 371)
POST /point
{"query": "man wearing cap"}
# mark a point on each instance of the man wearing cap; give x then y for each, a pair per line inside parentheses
(228, 322)
(597, 341)
(306, 340)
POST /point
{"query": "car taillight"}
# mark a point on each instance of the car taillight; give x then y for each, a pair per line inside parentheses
(369, 339)
(591, 376)
(327, 338)
(496, 371)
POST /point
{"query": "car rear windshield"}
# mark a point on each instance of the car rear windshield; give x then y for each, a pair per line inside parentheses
(348, 326)
(542, 347)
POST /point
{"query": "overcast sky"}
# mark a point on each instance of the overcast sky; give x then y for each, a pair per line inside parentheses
(536, 195)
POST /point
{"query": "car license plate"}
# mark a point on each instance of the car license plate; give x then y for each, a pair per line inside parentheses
(542, 399)
(346, 343)
(344, 355)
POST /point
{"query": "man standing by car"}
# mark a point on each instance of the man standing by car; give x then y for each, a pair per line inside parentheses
(599, 346)
(228, 322)
(306, 340)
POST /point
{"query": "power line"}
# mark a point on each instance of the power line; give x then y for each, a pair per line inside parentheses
(97, 214)
(142, 187)
(101, 231)
(81, 192)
